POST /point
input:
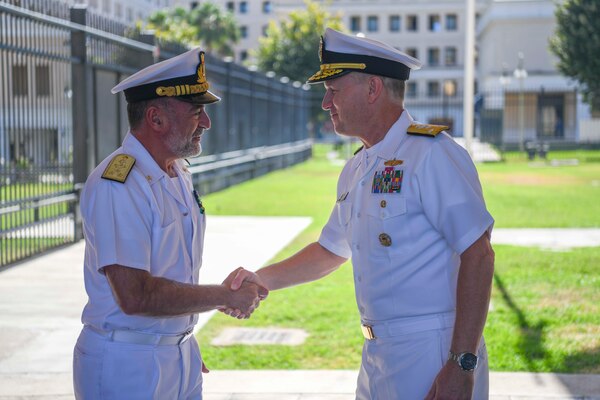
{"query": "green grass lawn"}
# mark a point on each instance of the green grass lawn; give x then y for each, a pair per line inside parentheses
(545, 314)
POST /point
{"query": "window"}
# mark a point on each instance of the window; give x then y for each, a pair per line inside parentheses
(118, 10)
(106, 6)
(433, 56)
(266, 7)
(93, 3)
(450, 56)
(412, 23)
(129, 14)
(435, 24)
(433, 89)
(355, 24)
(230, 6)
(265, 29)
(372, 23)
(243, 55)
(411, 89)
(20, 82)
(451, 22)
(42, 80)
(243, 7)
(413, 52)
(394, 23)
(243, 31)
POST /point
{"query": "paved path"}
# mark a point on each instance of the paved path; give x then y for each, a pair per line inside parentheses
(556, 239)
(41, 302)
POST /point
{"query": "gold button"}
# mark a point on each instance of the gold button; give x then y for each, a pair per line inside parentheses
(383, 203)
(385, 240)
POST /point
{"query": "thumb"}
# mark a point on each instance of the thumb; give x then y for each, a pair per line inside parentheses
(263, 292)
(204, 368)
(238, 280)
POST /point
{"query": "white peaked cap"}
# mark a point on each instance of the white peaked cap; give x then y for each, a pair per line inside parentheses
(182, 77)
(340, 54)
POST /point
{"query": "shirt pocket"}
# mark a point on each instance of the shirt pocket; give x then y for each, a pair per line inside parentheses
(386, 207)
(388, 225)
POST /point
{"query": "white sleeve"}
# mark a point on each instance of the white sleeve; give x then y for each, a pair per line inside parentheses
(333, 235)
(118, 221)
(451, 195)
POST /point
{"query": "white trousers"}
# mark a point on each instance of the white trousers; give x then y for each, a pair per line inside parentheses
(103, 369)
(404, 367)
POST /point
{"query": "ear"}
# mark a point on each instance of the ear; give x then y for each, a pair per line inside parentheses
(155, 118)
(375, 88)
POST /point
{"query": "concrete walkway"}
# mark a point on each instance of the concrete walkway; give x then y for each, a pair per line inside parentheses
(41, 302)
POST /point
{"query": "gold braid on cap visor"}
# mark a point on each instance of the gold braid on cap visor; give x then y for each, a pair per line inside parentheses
(327, 70)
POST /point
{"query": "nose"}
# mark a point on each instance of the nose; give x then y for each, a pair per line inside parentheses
(326, 103)
(205, 120)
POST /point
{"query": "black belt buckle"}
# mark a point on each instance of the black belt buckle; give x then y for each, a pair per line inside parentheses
(367, 331)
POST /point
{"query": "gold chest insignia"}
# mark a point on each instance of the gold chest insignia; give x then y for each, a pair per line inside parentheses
(426, 130)
(393, 163)
(118, 168)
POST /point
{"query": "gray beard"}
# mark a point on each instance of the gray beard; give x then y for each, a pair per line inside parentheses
(189, 150)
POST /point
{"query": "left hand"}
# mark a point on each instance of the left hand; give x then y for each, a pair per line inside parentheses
(205, 369)
(452, 383)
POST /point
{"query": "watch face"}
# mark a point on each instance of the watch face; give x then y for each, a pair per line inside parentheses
(468, 361)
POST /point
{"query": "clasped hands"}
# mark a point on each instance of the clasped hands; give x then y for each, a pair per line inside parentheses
(246, 292)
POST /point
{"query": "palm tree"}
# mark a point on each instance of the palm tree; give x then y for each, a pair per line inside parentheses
(217, 30)
(208, 26)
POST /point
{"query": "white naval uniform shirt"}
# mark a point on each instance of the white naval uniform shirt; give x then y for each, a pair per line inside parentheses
(438, 213)
(141, 224)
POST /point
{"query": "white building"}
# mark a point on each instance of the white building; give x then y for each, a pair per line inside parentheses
(533, 101)
(125, 11)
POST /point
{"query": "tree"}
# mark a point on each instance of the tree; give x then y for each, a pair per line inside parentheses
(577, 45)
(290, 48)
(206, 26)
(216, 30)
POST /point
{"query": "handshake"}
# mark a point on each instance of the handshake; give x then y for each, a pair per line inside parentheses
(246, 290)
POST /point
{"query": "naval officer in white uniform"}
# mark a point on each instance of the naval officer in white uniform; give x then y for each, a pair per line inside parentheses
(144, 229)
(411, 215)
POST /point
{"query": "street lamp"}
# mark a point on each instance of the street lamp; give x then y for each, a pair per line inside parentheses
(520, 73)
(449, 90)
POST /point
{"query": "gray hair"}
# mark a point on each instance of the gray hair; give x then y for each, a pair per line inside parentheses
(395, 87)
(137, 110)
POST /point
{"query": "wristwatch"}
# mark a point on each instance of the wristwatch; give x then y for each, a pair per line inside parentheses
(466, 361)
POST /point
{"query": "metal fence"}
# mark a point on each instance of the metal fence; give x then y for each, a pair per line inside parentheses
(58, 119)
(532, 122)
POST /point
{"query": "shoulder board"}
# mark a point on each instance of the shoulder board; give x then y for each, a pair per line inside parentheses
(358, 150)
(425, 130)
(118, 168)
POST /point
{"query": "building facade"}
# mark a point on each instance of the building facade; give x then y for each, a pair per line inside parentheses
(124, 11)
(526, 98)
(535, 103)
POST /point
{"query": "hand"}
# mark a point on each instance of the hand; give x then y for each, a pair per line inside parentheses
(234, 281)
(205, 369)
(240, 275)
(452, 383)
(242, 302)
